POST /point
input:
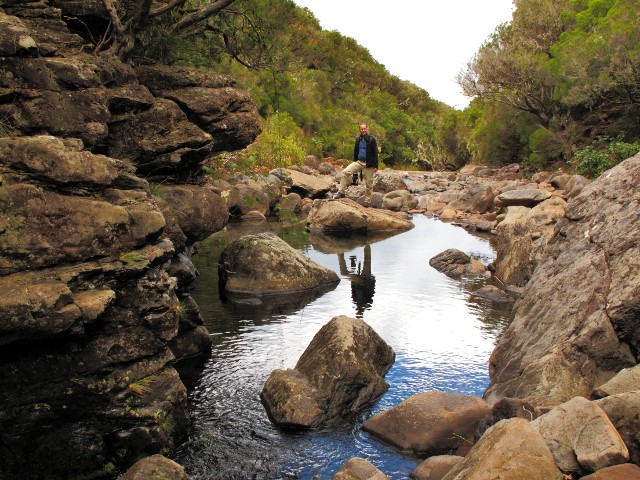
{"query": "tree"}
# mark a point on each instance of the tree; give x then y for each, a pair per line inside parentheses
(129, 18)
(513, 67)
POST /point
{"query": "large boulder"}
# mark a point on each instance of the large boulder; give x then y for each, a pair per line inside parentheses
(399, 200)
(522, 237)
(627, 471)
(199, 211)
(510, 449)
(345, 216)
(387, 181)
(340, 373)
(581, 437)
(623, 409)
(475, 199)
(305, 185)
(264, 264)
(242, 198)
(590, 279)
(429, 422)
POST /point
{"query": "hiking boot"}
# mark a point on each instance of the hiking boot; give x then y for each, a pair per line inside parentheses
(338, 195)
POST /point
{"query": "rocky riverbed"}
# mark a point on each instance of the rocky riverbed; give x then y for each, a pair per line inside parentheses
(102, 199)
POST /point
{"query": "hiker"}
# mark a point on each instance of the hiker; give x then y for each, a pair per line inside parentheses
(365, 159)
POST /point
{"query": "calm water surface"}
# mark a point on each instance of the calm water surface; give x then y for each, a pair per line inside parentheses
(441, 335)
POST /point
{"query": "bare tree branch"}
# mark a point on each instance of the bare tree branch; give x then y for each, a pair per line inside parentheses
(195, 17)
(166, 8)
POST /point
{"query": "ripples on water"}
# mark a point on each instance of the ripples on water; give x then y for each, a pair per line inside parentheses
(442, 338)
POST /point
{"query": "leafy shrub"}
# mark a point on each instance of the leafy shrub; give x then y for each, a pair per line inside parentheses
(281, 144)
(601, 155)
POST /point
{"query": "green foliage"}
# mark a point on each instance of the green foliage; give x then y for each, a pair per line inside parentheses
(142, 387)
(562, 74)
(543, 147)
(326, 83)
(279, 145)
(133, 258)
(156, 189)
(603, 154)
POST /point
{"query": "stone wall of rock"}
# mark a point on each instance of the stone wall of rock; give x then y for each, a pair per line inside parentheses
(576, 323)
(94, 260)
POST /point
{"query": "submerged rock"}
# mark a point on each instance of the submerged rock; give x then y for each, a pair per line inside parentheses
(493, 293)
(341, 372)
(264, 264)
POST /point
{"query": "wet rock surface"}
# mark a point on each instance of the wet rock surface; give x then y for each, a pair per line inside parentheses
(429, 422)
(264, 264)
(340, 373)
(93, 257)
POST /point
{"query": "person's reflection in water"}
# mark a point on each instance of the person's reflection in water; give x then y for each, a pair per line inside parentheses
(363, 283)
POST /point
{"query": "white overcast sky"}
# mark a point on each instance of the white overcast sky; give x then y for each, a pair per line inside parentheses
(425, 42)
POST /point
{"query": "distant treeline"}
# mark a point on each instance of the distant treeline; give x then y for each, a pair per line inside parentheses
(558, 85)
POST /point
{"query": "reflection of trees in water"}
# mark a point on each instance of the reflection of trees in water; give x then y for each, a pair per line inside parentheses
(363, 283)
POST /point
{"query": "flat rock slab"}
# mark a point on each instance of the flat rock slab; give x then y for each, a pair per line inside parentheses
(264, 264)
(588, 276)
(345, 216)
(429, 422)
(523, 197)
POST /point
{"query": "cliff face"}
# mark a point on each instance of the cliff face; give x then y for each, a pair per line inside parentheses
(94, 304)
(577, 322)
